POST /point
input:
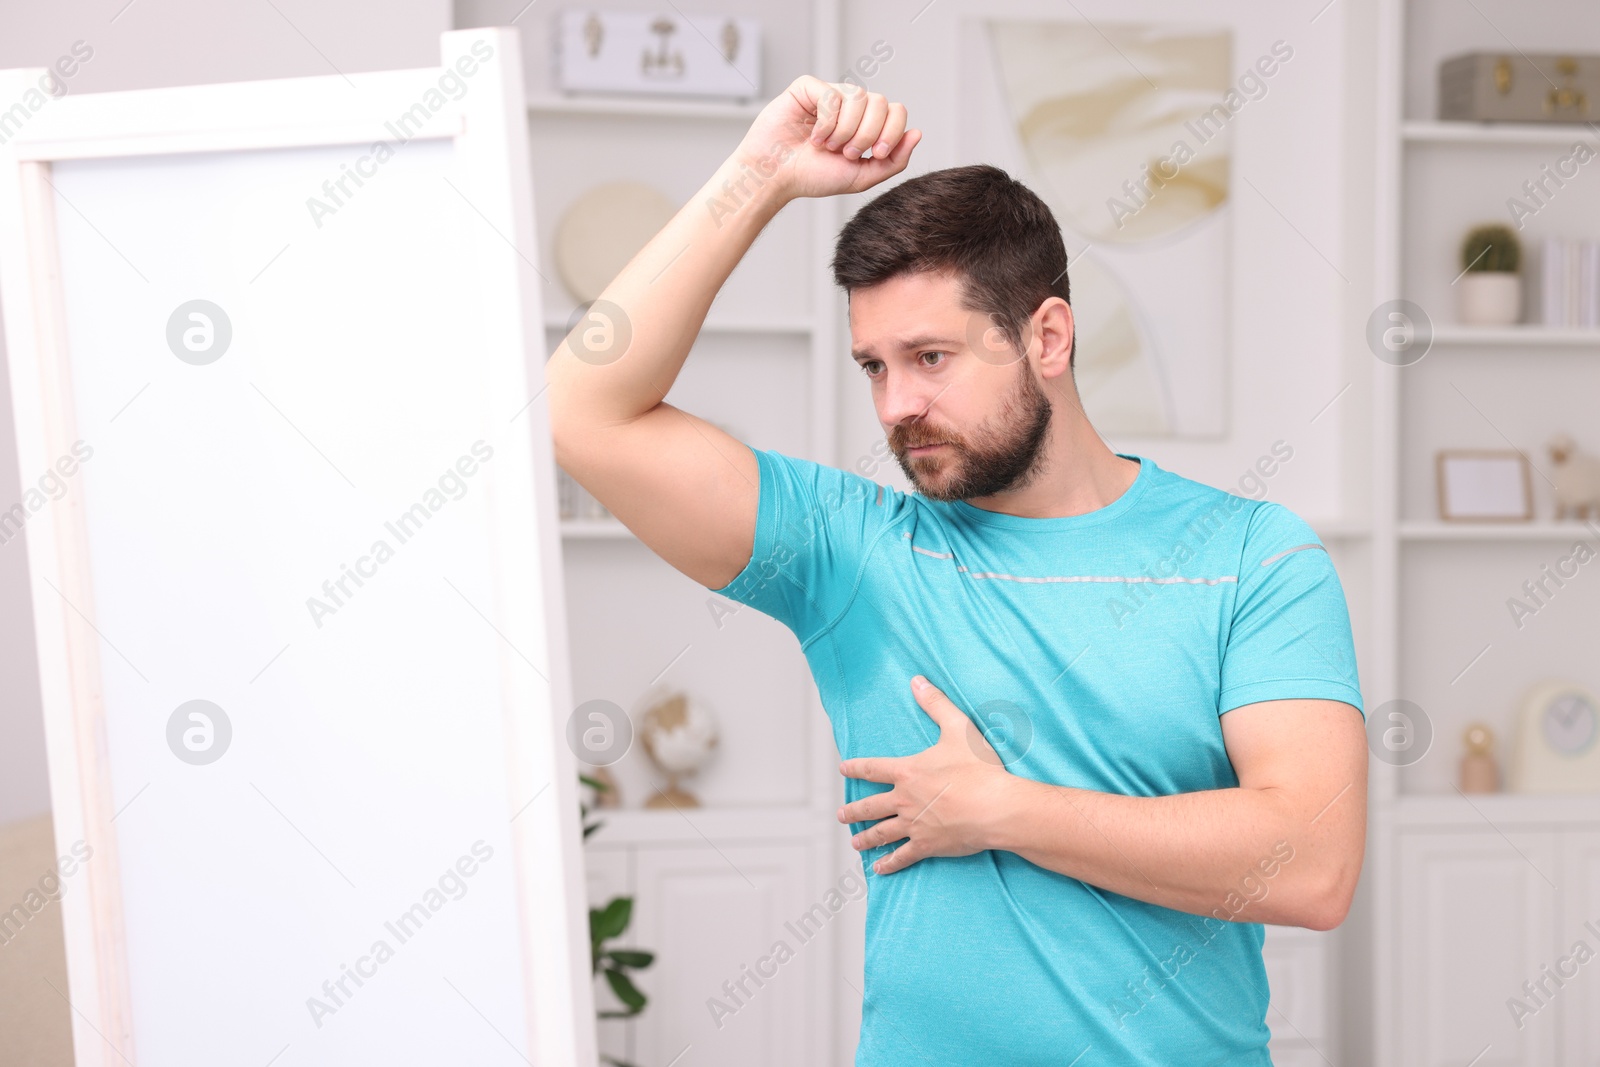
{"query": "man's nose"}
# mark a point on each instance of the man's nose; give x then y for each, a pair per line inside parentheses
(904, 397)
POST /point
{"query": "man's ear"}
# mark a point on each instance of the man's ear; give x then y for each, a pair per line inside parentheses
(1053, 323)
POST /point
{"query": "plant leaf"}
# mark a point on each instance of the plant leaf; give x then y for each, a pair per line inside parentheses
(627, 957)
(625, 989)
(613, 919)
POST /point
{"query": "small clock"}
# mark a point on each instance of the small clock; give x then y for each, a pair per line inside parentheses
(1557, 747)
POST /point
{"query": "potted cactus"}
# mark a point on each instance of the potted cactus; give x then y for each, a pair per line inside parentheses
(1490, 287)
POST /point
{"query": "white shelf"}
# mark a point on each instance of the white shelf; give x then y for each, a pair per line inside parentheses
(1503, 810)
(725, 324)
(595, 529)
(1494, 531)
(643, 107)
(1556, 134)
(694, 826)
(1340, 529)
(1516, 336)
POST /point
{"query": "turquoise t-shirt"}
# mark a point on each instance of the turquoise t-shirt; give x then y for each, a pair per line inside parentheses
(1096, 651)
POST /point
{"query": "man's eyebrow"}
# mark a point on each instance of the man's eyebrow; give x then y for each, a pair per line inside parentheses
(920, 341)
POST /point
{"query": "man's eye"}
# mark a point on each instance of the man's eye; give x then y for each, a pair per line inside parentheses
(867, 365)
(932, 354)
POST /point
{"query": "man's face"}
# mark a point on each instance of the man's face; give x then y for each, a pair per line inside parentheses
(943, 376)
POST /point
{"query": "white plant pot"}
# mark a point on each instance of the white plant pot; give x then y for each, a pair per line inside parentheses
(1489, 298)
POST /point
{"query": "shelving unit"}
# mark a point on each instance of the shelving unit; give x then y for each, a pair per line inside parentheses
(572, 119)
(713, 884)
(1466, 897)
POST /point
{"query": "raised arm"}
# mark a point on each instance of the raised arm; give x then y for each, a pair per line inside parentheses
(686, 488)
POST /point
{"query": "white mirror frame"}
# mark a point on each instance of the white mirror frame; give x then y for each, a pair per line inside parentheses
(490, 133)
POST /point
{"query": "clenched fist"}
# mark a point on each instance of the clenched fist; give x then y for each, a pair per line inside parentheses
(811, 138)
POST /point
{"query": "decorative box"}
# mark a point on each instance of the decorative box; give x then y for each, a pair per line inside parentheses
(670, 54)
(1499, 87)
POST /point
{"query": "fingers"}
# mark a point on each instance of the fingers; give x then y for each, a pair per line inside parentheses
(899, 859)
(872, 768)
(827, 106)
(894, 125)
(881, 834)
(939, 707)
(850, 114)
(869, 128)
(877, 806)
(876, 169)
(851, 120)
(896, 161)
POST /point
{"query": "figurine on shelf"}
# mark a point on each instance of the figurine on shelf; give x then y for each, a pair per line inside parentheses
(1577, 479)
(1479, 773)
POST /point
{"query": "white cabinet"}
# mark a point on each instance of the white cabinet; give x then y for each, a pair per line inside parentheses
(731, 905)
(1477, 917)
(1297, 961)
(733, 977)
(1579, 920)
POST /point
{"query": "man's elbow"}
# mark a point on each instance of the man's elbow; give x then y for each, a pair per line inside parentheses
(1329, 903)
(1326, 914)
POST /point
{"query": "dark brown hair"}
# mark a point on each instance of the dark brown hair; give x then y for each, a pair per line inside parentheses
(977, 223)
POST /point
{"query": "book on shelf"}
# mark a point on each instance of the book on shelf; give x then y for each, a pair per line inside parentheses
(1564, 284)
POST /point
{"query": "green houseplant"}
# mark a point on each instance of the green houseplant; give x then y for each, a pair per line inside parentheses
(606, 924)
(1489, 289)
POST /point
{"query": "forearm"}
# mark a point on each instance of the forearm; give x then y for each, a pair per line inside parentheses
(663, 295)
(1246, 855)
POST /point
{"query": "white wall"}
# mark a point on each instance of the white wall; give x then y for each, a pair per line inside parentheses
(148, 44)
(1289, 302)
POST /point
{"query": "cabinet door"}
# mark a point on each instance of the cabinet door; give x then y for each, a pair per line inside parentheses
(1297, 965)
(722, 988)
(1579, 997)
(1476, 912)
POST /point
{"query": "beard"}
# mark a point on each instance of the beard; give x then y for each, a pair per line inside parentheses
(994, 458)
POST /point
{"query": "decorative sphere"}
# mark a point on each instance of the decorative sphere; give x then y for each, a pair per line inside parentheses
(679, 735)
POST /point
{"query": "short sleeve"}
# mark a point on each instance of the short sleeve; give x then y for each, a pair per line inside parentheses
(813, 528)
(1290, 632)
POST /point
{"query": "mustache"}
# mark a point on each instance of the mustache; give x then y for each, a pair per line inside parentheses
(915, 439)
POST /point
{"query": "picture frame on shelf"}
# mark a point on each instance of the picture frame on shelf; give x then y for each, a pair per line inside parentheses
(1482, 485)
